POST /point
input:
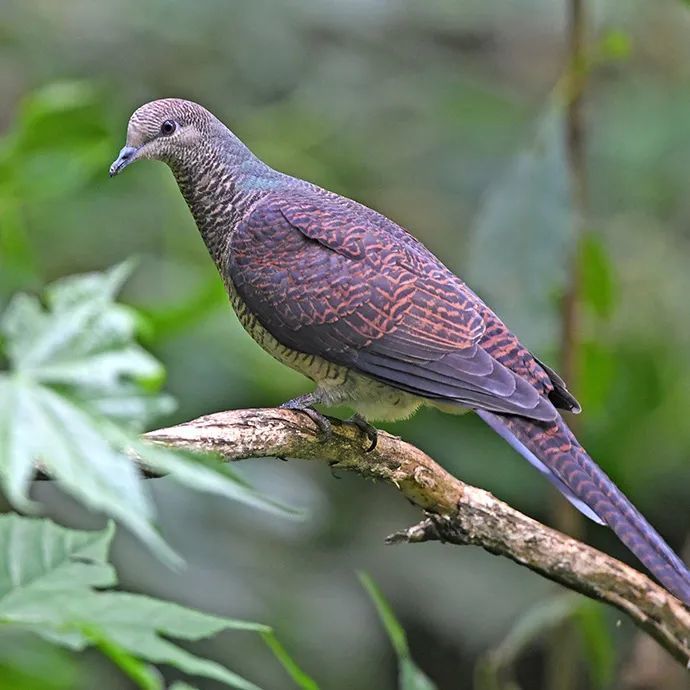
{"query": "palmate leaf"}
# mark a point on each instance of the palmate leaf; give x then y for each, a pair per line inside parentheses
(84, 341)
(78, 391)
(48, 580)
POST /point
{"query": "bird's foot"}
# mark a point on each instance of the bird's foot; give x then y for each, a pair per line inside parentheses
(370, 432)
(321, 421)
(302, 404)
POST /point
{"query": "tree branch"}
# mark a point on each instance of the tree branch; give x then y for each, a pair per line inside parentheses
(455, 512)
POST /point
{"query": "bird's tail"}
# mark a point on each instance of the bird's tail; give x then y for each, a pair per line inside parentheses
(553, 448)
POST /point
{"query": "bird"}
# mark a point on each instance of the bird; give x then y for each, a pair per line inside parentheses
(350, 299)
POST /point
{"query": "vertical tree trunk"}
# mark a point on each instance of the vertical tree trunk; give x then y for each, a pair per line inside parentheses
(564, 652)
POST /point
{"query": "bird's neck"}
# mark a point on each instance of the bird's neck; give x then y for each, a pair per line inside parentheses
(219, 185)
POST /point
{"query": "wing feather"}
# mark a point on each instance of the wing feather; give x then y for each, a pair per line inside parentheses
(346, 284)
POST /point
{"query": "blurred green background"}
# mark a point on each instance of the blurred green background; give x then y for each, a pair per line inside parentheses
(443, 115)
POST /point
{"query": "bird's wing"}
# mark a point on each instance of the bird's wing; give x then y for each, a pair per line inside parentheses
(339, 281)
(328, 277)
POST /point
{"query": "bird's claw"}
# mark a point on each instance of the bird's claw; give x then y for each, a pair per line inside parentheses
(302, 404)
(321, 421)
(370, 432)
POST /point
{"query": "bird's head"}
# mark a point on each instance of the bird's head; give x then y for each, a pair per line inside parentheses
(165, 130)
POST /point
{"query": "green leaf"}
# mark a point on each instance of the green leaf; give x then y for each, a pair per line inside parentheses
(28, 662)
(538, 620)
(78, 391)
(534, 622)
(410, 676)
(84, 341)
(301, 679)
(48, 576)
(395, 631)
(597, 279)
(523, 235)
(600, 367)
(136, 624)
(39, 558)
(59, 142)
(18, 265)
(143, 675)
(208, 474)
(598, 643)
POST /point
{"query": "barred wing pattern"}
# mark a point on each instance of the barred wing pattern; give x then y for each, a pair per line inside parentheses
(361, 292)
(346, 284)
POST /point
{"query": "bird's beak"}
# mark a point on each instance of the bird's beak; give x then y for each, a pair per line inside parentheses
(127, 156)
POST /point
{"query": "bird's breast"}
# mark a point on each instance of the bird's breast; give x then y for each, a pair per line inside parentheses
(312, 366)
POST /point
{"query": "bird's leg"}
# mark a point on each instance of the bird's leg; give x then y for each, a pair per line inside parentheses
(303, 403)
(370, 432)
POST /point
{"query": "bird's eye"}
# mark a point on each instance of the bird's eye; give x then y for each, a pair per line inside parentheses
(168, 127)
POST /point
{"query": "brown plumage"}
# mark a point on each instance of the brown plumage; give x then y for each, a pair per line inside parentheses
(350, 299)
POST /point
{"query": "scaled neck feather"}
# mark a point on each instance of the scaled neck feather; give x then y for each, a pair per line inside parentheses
(220, 179)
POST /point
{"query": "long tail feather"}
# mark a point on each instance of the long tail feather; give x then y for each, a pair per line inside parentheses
(556, 449)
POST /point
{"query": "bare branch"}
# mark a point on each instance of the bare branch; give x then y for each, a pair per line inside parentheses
(456, 513)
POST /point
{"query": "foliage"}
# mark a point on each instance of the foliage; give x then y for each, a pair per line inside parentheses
(77, 391)
(410, 676)
(28, 662)
(300, 678)
(495, 670)
(53, 583)
(62, 127)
